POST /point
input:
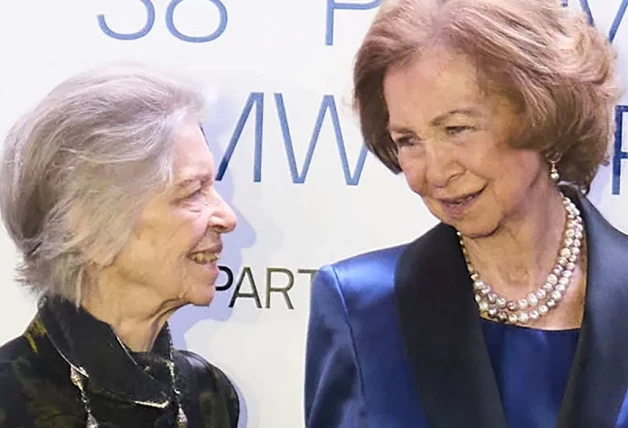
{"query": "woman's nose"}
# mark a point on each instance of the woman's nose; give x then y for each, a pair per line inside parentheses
(224, 218)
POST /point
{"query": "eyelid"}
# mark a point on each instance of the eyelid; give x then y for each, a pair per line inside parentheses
(205, 185)
(402, 140)
(457, 128)
(193, 193)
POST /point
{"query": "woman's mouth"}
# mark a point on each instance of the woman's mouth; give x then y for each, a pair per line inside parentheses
(204, 257)
(456, 207)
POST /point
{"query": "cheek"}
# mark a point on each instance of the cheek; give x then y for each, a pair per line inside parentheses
(523, 169)
(175, 237)
(480, 157)
(147, 239)
(196, 224)
(414, 172)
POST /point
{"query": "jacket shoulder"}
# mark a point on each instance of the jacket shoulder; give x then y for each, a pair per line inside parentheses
(12, 355)
(14, 349)
(350, 279)
(216, 394)
(390, 256)
(374, 260)
(375, 271)
(17, 364)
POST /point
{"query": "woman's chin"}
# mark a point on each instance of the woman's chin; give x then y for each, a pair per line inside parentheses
(202, 296)
(474, 229)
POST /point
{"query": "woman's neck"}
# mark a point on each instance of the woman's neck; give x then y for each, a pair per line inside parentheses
(517, 258)
(133, 313)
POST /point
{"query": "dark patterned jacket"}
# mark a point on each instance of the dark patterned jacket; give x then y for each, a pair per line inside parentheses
(121, 388)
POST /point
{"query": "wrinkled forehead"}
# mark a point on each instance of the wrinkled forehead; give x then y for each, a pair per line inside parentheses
(435, 81)
(191, 156)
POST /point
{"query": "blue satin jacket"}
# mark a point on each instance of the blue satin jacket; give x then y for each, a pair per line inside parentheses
(395, 340)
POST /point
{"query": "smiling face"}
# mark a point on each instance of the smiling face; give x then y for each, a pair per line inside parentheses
(453, 144)
(172, 253)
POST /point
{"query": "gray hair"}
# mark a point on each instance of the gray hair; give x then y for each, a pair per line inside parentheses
(78, 169)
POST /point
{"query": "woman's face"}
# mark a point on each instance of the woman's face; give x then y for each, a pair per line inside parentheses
(173, 251)
(453, 144)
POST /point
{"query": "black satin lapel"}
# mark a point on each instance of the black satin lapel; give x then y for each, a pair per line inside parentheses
(443, 335)
(599, 376)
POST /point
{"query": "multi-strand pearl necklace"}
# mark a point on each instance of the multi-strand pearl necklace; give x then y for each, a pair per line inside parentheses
(549, 295)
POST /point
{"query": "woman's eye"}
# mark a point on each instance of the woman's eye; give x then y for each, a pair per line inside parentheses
(405, 142)
(197, 193)
(454, 130)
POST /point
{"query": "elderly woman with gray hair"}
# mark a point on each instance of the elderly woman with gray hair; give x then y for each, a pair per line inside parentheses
(108, 193)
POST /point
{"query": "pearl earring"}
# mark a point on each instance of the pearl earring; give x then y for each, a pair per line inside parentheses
(554, 175)
(553, 161)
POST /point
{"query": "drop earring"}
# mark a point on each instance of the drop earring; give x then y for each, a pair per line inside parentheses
(554, 175)
(553, 161)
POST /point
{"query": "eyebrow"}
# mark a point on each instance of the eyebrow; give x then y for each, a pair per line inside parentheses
(463, 111)
(438, 120)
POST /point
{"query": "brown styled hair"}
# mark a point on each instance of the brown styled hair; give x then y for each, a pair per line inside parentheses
(546, 59)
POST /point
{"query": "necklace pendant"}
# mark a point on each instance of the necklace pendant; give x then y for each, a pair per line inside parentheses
(91, 421)
(182, 420)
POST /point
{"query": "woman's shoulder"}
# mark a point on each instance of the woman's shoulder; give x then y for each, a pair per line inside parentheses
(14, 349)
(347, 279)
(356, 272)
(10, 353)
(381, 263)
(381, 256)
(216, 394)
(17, 357)
(18, 378)
(208, 374)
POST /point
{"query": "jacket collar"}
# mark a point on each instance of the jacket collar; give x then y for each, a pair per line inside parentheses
(443, 335)
(599, 375)
(111, 369)
(445, 343)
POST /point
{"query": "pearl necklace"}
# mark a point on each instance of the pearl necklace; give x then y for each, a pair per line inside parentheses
(549, 295)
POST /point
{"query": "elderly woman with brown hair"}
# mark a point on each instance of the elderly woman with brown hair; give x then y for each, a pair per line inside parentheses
(512, 311)
(107, 190)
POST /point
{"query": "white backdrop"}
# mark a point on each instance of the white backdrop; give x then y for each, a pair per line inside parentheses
(271, 68)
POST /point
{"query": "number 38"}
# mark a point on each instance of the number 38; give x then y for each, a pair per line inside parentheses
(150, 21)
